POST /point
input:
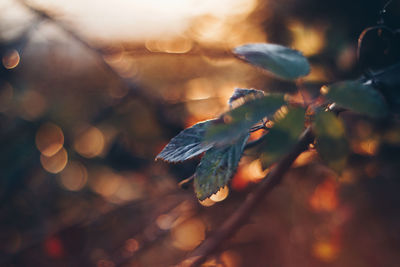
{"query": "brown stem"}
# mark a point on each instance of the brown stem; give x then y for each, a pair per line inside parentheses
(237, 219)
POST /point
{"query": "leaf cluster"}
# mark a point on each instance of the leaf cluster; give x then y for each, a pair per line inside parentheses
(223, 139)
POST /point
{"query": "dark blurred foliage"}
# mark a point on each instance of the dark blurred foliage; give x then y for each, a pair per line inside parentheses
(81, 123)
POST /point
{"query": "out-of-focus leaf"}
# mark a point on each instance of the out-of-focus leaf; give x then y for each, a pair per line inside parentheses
(332, 145)
(281, 61)
(217, 167)
(187, 144)
(358, 97)
(241, 96)
(388, 83)
(233, 124)
(282, 137)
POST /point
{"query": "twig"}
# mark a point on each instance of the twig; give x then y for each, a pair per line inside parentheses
(237, 219)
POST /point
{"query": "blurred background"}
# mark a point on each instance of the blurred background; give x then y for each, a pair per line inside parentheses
(91, 91)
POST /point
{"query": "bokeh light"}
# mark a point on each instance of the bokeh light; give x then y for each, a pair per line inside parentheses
(305, 158)
(131, 245)
(11, 59)
(165, 221)
(254, 171)
(56, 162)
(367, 147)
(90, 142)
(231, 259)
(310, 40)
(49, 139)
(325, 251)
(188, 235)
(248, 172)
(74, 176)
(325, 196)
(199, 89)
(175, 46)
(207, 202)
(105, 182)
(221, 195)
(226, 259)
(115, 187)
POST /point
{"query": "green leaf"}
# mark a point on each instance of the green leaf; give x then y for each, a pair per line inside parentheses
(281, 61)
(235, 123)
(388, 83)
(217, 167)
(332, 145)
(241, 96)
(187, 144)
(282, 137)
(358, 97)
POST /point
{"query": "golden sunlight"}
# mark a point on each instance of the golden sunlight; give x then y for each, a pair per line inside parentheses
(138, 20)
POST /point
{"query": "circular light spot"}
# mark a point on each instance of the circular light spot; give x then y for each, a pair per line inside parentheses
(49, 139)
(126, 191)
(105, 182)
(89, 143)
(188, 235)
(230, 259)
(324, 197)
(55, 163)
(221, 194)
(254, 171)
(11, 59)
(74, 176)
(131, 245)
(324, 90)
(164, 221)
(325, 251)
(207, 202)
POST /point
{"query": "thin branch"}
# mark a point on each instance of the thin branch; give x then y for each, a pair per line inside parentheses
(237, 219)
